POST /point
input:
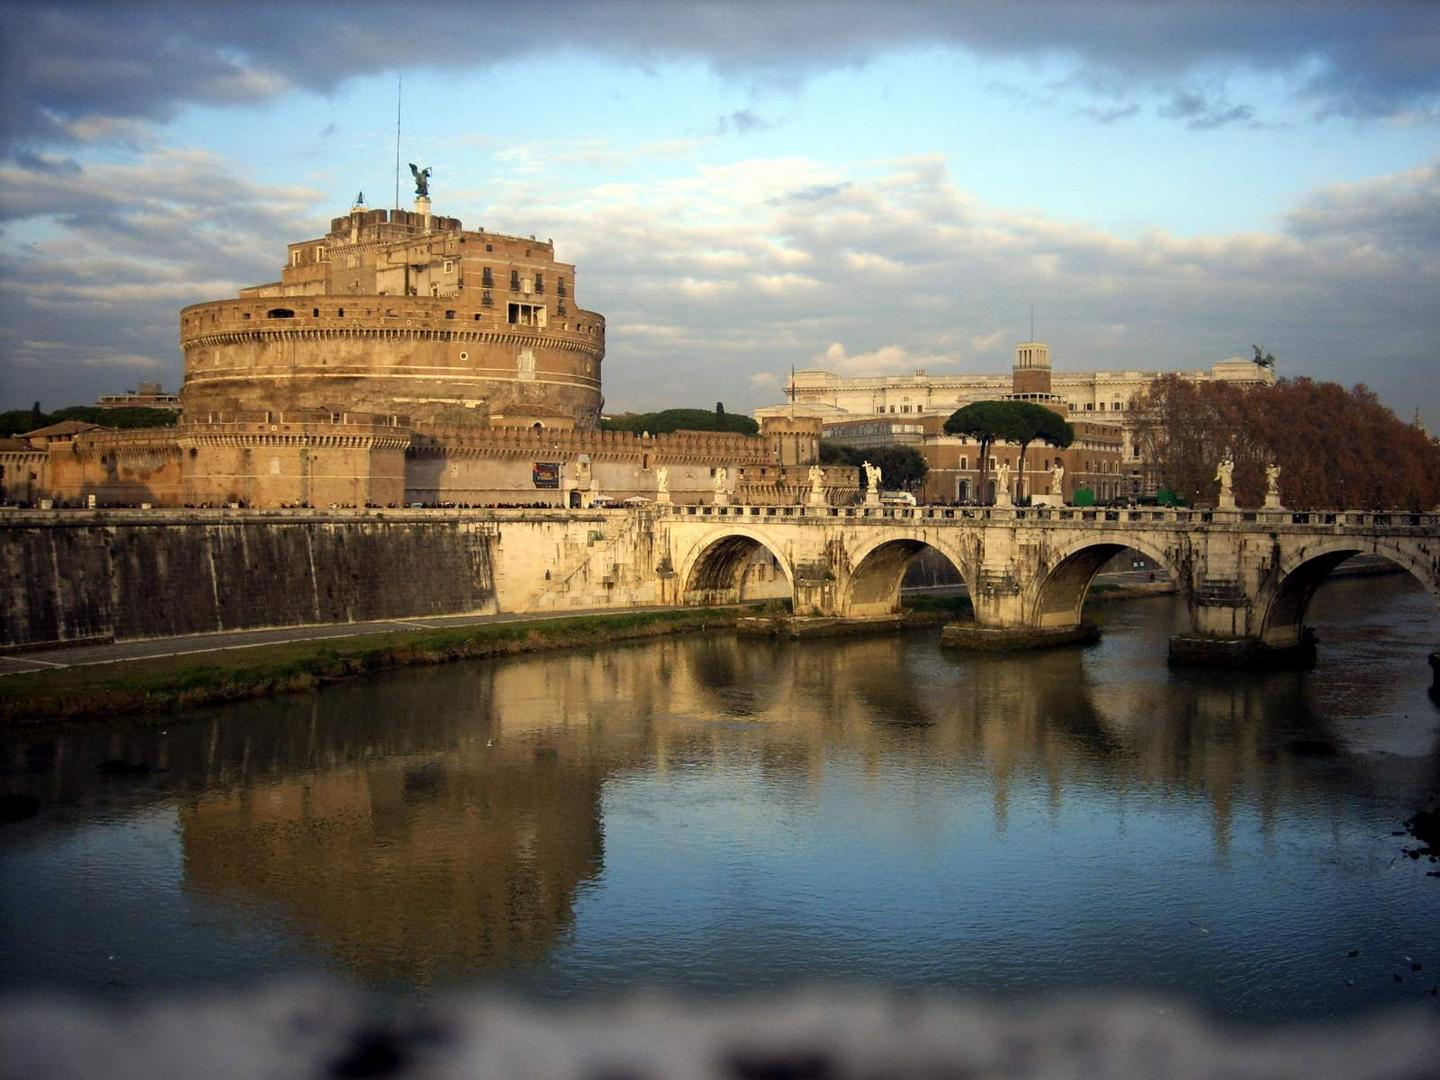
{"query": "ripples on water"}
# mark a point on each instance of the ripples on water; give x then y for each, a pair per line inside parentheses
(725, 816)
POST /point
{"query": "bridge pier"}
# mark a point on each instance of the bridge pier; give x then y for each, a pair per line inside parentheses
(1204, 651)
(1015, 638)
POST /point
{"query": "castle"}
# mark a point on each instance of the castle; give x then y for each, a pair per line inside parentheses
(402, 359)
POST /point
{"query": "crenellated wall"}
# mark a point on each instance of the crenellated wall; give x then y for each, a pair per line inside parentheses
(260, 459)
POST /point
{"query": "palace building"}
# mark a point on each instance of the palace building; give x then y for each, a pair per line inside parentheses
(911, 410)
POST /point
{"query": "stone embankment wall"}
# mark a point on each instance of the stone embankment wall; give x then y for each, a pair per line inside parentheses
(118, 575)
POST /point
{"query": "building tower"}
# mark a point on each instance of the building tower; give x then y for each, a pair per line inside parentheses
(1031, 371)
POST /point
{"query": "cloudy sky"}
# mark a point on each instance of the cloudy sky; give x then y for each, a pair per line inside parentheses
(746, 186)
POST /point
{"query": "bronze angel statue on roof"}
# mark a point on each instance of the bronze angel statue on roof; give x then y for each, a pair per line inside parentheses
(422, 181)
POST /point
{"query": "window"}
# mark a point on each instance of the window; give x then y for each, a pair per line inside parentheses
(449, 266)
(315, 313)
(489, 247)
(340, 314)
(560, 287)
(539, 283)
(526, 315)
(964, 463)
(514, 280)
(487, 278)
(1089, 406)
(295, 257)
(486, 300)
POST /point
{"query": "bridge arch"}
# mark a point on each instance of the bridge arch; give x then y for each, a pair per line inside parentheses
(1282, 603)
(715, 569)
(1069, 573)
(877, 568)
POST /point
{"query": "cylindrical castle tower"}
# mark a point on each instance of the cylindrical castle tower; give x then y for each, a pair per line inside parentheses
(400, 314)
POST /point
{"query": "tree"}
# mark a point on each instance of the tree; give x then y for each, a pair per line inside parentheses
(901, 467)
(1035, 422)
(681, 420)
(1018, 422)
(985, 422)
(1337, 449)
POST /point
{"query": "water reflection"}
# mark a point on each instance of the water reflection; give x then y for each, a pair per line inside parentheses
(448, 823)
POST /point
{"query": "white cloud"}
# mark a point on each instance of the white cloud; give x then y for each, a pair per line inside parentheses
(886, 360)
(715, 279)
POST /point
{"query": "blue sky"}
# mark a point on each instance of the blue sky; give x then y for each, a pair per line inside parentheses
(745, 187)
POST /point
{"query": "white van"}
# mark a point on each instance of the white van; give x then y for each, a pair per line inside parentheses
(897, 498)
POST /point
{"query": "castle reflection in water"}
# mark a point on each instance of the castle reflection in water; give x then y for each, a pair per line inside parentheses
(437, 823)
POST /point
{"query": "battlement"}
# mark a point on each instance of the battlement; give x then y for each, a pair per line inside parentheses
(451, 315)
(690, 446)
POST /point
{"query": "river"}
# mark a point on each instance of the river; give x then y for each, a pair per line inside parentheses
(721, 815)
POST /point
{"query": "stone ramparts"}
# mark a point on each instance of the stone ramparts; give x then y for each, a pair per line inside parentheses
(115, 576)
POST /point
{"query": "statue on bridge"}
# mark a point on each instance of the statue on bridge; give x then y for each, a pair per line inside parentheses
(1225, 472)
(1057, 479)
(1002, 484)
(422, 181)
(1272, 486)
(722, 482)
(872, 483)
(817, 486)
(662, 485)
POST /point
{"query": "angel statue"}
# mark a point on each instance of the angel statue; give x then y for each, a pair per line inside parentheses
(422, 181)
(1224, 472)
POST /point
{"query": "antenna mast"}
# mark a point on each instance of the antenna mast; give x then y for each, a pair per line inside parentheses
(397, 140)
(1032, 311)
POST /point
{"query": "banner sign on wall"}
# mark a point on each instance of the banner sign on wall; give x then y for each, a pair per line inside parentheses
(546, 474)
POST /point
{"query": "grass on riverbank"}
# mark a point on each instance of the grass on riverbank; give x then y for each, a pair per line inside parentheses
(166, 683)
(939, 607)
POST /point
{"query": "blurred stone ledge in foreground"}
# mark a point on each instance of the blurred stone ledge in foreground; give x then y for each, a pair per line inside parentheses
(323, 1031)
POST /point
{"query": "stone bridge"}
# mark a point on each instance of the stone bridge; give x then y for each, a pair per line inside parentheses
(1246, 576)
